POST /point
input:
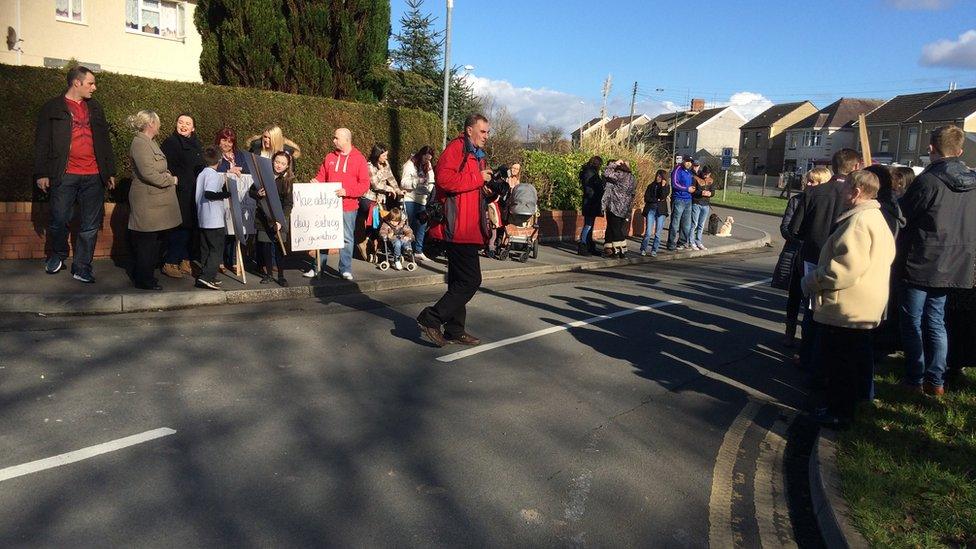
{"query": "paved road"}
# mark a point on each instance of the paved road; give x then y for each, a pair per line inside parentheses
(310, 423)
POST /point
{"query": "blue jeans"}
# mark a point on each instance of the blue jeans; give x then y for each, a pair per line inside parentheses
(88, 192)
(419, 229)
(923, 334)
(397, 249)
(699, 217)
(345, 254)
(587, 233)
(653, 225)
(680, 220)
(177, 245)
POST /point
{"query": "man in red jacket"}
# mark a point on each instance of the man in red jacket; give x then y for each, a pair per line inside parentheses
(459, 222)
(344, 165)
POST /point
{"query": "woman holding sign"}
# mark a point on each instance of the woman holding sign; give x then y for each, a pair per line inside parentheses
(273, 234)
(231, 161)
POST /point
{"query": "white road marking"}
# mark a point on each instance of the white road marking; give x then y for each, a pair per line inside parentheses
(85, 453)
(751, 284)
(554, 329)
(720, 500)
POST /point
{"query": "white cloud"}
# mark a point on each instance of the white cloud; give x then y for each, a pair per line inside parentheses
(951, 53)
(541, 107)
(920, 4)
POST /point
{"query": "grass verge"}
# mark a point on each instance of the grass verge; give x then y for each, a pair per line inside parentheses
(766, 204)
(908, 464)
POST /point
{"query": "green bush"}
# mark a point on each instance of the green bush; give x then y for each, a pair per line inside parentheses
(308, 121)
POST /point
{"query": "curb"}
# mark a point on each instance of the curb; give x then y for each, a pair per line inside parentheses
(84, 304)
(828, 504)
(750, 210)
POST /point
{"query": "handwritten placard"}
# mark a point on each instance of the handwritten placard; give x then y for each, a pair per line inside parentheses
(316, 217)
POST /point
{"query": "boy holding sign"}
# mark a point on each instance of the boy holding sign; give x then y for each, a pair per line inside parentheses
(346, 166)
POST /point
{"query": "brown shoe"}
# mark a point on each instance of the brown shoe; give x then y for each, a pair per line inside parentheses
(933, 390)
(432, 335)
(465, 339)
(185, 267)
(172, 270)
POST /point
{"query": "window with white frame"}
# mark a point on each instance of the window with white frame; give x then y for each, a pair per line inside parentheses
(812, 138)
(912, 139)
(156, 18)
(70, 10)
(687, 139)
(745, 139)
(884, 140)
(792, 140)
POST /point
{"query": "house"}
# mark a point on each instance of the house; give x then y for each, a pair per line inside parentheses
(588, 129)
(152, 38)
(622, 128)
(814, 140)
(659, 132)
(708, 132)
(893, 136)
(762, 140)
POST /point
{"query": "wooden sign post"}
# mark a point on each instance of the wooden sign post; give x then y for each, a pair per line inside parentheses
(862, 128)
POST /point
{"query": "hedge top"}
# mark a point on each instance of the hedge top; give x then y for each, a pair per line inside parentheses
(308, 121)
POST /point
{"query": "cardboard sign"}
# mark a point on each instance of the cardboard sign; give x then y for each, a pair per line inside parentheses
(316, 217)
(264, 177)
(240, 203)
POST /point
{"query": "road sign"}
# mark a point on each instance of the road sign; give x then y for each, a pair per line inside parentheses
(726, 158)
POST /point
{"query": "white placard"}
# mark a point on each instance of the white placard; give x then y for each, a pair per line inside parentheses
(248, 205)
(316, 217)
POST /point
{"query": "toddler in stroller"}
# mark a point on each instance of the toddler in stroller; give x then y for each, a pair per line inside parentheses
(395, 236)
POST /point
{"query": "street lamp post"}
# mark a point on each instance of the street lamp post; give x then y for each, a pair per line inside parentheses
(447, 69)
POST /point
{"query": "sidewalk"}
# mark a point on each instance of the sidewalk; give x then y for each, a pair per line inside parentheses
(26, 288)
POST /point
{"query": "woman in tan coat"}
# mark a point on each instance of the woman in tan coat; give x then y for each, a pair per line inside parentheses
(153, 207)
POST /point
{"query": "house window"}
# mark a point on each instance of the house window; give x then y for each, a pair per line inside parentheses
(70, 10)
(883, 141)
(687, 139)
(792, 140)
(912, 139)
(758, 138)
(745, 140)
(812, 139)
(155, 17)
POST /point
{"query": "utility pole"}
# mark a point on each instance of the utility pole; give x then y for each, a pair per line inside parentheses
(630, 125)
(603, 110)
(447, 69)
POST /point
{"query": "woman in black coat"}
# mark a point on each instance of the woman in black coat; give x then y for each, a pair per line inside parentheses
(593, 186)
(184, 156)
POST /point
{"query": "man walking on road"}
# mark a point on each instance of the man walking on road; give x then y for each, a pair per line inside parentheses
(939, 245)
(459, 222)
(73, 162)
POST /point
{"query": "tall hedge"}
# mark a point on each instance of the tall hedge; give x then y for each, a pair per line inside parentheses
(308, 121)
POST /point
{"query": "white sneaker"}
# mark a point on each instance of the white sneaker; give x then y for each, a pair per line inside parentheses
(702, 247)
(347, 276)
(694, 246)
(398, 265)
(419, 257)
(643, 253)
(309, 273)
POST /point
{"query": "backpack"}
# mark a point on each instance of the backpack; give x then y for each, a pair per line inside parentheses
(714, 222)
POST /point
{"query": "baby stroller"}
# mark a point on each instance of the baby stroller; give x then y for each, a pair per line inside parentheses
(520, 238)
(394, 227)
(385, 259)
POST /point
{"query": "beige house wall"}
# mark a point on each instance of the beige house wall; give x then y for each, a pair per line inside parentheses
(101, 39)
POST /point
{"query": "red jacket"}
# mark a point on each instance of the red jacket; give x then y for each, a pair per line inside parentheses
(458, 188)
(350, 170)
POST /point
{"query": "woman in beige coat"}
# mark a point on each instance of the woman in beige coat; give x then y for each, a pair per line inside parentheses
(153, 207)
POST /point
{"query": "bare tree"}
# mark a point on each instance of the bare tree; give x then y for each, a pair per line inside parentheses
(550, 137)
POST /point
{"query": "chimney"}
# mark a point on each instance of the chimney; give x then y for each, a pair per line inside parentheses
(697, 105)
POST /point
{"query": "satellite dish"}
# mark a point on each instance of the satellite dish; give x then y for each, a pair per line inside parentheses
(12, 39)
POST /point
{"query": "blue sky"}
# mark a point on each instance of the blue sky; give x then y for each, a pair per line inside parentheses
(542, 58)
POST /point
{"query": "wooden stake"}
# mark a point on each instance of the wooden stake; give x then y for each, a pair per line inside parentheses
(284, 252)
(862, 128)
(318, 261)
(240, 271)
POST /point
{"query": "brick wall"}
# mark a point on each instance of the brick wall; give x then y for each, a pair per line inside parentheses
(23, 227)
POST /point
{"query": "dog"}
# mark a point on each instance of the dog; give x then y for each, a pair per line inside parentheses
(726, 228)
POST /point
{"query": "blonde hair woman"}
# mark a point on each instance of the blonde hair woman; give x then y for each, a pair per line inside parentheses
(153, 208)
(271, 141)
(817, 176)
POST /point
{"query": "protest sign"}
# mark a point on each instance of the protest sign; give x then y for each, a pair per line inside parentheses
(316, 216)
(238, 186)
(263, 173)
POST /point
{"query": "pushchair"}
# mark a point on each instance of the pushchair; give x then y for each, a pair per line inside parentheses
(520, 238)
(393, 226)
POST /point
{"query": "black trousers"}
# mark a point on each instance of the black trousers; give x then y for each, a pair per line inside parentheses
(211, 250)
(463, 281)
(847, 357)
(145, 250)
(616, 234)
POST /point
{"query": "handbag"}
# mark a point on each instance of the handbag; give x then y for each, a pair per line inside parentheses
(783, 271)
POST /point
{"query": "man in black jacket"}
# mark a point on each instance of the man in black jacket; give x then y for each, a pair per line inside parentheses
(73, 162)
(939, 248)
(812, 222)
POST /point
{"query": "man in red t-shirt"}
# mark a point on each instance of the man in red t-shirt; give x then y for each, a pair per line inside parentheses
(73, 163)
(346, 165)
(462, 228)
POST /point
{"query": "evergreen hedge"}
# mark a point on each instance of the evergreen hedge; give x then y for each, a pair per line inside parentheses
(308, 121)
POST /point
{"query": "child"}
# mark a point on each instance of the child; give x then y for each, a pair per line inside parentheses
(396, 229)
(849, 288)
(210, 194)
(269, 248)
